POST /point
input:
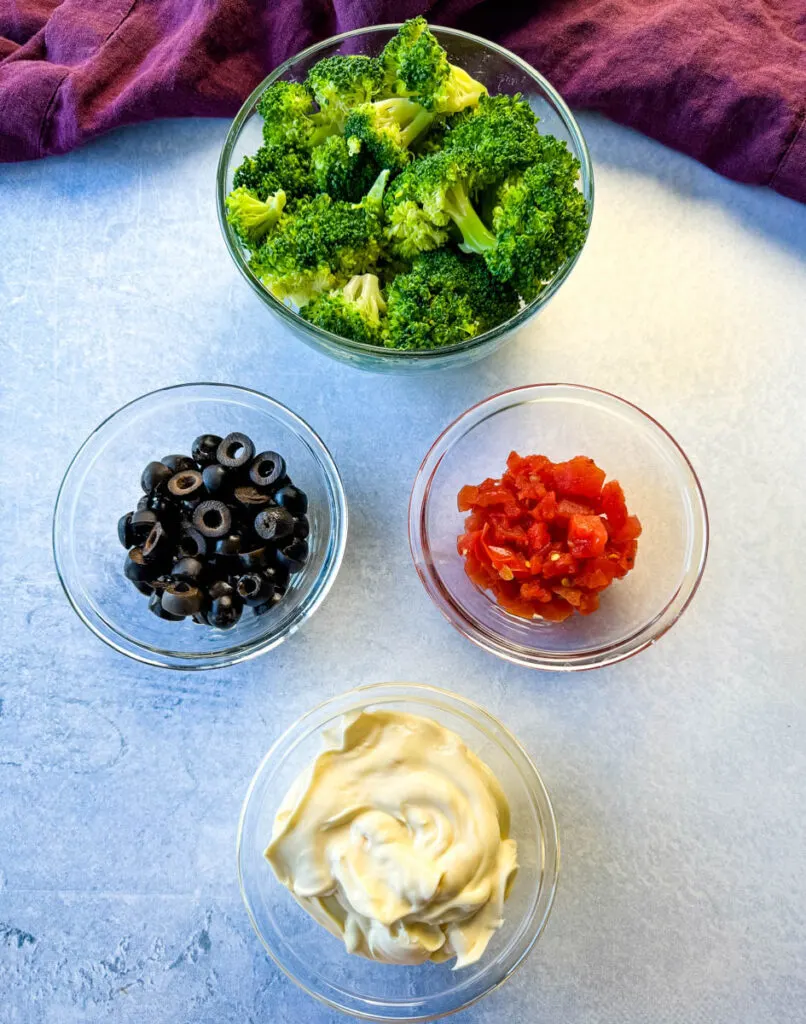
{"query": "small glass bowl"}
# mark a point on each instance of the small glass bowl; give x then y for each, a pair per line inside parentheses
(500, 71)
(561, 421)
(103, 482)
(315, 959)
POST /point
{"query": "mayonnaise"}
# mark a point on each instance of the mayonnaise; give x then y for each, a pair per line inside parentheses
(396, 840)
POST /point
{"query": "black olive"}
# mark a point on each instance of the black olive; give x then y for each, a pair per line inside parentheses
(178, 463)
(292, 498)
(254, 559)
(157, 546)
(278, 576)
(235, 451)
(162, 583)
(302, 528)
(186, 484)
(274, 524)
(267, 469)
(142, 523)
(125, 532)
(267, 605)
(188, 568)
(212, 518)
(200, 618)
(251, 498)
(215, 478)
(155, 606)
(143, 587)
(220, 588)
(204, 449)
(137, 569)
(224, 611)
(155, 475)
(192, 543)
(294, 556)
(229, 545)
(253, 588)
(143, 503)
(182, 598)
(165, 508)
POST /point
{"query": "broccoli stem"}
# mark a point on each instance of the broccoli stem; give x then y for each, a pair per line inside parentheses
(476, 237)
(322, 131)
(411, 118)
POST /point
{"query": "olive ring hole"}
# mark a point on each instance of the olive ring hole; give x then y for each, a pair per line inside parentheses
(212, 518)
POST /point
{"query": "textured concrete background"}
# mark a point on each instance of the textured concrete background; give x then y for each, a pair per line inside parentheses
(679, 778)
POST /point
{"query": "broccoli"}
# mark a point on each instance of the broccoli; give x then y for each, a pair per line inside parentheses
(252, 218)
(446, 298)
(321, 244)
(386, 129)
(354, 311)
(272, 169)
(342, 82)
(501, 133)
(417, 66)
(289, 120)
(410, 231)
(343, 170)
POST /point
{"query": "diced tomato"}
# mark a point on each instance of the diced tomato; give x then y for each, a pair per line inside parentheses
(567, 508)
(580, 476)
(468, 496)
(534, 591)
(613, 505)
(547, 509)
(539, 538)
(631, 530)
(559, 563)
(587, 536)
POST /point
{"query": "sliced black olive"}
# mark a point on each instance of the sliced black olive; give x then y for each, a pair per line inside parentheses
(185, 484)
(204, 449)
(216, 478)
(200, 618)
(137, 569)
(253, 588)
(212, 518)
(267, 469)
(143, 503)
(274, 524)
(251, 498)
(156, 474)
(162, 583)
(188, 568)
(125, 532)
(143, 587)
(142, 523)
(182, 598)
(292, 498)
(294, 556)
(165, 508)
(278, 576)
(267, 605)
(155, 606)
(178, 463)
(254, 559)
(221, 588)
(235, 451)
(224, 611)
(302, 528)
(157, 547)
(229, 545)
(192, 543)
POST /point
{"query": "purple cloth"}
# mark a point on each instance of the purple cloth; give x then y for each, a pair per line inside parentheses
(721, 80)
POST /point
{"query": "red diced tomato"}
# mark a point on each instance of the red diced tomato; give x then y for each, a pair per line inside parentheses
(587, 536)
(613, 505)
(468, 496)
(539, 538)
(579, 476)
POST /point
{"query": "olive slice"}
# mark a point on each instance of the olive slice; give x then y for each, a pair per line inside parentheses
(158, 544)
(142, 523)
(212, 518)
(235, 451)
(185, 484)
(182, 598)
(125, 532)
(178, 463)
(156, 474)
(192, 543)
(224, 611)
(271, 602)
(253, 560)
(155, 606)
(229, 545)
(204, 449)
(253, 588)
(251, 497)
(274, 524)
(293, 556)
(215, 478)
(302, 528)
(188, 568)
(267, 469)
(292, 498)
(137, 569)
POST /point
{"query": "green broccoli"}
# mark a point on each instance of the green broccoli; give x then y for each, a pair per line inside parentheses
(252, 218)
(444, 299)
(410, 231)
(386, 128)
(501, 134)
(342, 82)
(272, 169)
(416, 65)
(343, 170)
(321, 244)
(289, 120)
(354, 311)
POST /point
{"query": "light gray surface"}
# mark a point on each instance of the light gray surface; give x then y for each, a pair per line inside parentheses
(679, 778)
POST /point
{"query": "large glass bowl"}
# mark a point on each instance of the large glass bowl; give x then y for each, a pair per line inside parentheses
(315, 959)
(103, 482)
(561, 421)
(500, 71)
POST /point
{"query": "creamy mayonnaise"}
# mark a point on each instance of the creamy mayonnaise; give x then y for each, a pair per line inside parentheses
(396, 840)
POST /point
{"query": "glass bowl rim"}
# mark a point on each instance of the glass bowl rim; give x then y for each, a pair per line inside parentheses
(487, 723)
(318, 334)
(590, 658)
(245, 651)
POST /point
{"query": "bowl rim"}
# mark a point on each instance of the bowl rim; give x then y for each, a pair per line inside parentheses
(315, 335)
(245, 651)
(488, 723)
(589, 658)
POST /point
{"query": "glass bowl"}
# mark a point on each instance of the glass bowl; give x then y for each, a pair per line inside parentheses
(561, 421)
(103, 482)
(500, 71)
(315, 959)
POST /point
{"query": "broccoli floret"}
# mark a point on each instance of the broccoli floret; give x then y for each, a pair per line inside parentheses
(501, 134)
(445, 298)
(354, 311)
(416, 65)
(342, 82)
(410, 231)
(386, 128)
(272, 169)
(251, 217)
(321, 244)
(345, 171)
(289, 120)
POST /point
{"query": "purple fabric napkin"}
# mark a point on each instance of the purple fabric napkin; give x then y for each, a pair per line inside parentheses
(721, 80)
